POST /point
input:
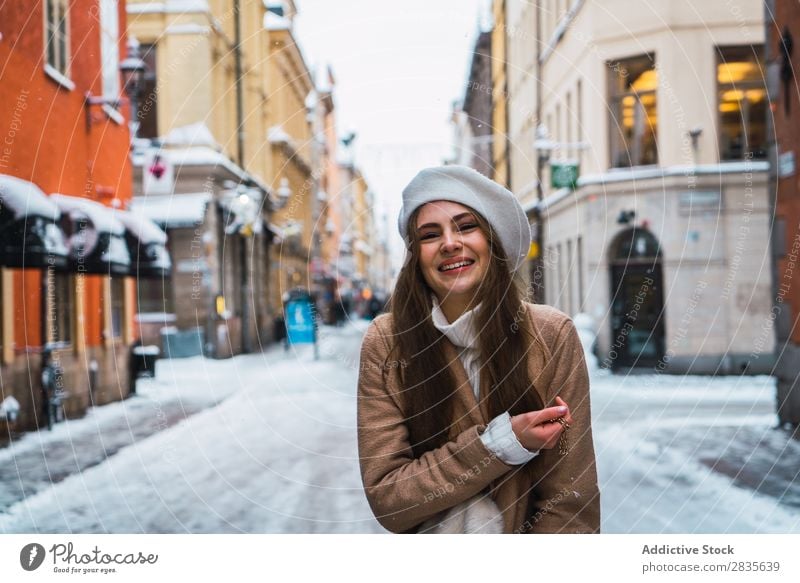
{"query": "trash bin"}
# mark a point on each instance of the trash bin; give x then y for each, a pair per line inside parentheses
(144, 360)
(142, 363)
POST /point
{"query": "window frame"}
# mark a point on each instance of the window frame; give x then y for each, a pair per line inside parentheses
(741, 86)
(56, 28)
(116, 305)
(616, 137)
(62, 303)
(109, 47)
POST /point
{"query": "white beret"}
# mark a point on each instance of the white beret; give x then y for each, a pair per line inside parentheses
(469, 187)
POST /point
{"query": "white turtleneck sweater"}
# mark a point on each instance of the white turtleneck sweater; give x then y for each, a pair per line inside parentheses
(499, 437)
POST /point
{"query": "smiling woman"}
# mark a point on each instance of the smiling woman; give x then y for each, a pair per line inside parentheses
(463, 437)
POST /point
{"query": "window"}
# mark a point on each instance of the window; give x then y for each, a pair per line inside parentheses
(580, 274)
(56, 34)
(568, 136)
(579, 120)
(154, 295)
(559, 295)
(109, 46)
(742, 100)
(148, 104)
(117, 305)
(633, 121)
(61, 305)
(570, 278)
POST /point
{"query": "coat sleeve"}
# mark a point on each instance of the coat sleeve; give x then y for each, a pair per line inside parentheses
(566, 498)
(404, 491)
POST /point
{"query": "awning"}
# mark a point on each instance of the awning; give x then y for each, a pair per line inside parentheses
(173, 211)
(96, 238)
(29, 231)
(147, 246)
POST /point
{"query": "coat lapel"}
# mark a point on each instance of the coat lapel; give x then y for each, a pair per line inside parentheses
(466, 406)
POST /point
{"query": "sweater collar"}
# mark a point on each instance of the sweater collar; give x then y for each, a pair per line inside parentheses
(462, 331)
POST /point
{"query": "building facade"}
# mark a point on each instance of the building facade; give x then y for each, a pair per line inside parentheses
(649, 141)
(500, 66)
(67, 278)
(203, 166)
(291, 116)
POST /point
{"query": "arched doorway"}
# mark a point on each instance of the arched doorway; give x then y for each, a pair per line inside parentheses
(637, 300)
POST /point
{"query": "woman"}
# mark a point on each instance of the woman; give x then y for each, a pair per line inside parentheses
(473, 406)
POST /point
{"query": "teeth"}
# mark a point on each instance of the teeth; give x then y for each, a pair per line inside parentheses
(456, 265)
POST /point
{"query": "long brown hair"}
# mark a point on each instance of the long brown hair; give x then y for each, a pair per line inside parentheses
(504, 338)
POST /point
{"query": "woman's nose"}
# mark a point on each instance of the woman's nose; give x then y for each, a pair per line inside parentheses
(450, 242)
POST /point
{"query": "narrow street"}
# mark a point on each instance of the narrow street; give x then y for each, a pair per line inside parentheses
(266, 444)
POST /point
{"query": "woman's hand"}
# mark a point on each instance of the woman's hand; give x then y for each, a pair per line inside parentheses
(535, 430)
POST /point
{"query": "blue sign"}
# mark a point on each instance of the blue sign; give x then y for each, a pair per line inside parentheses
(300, 322)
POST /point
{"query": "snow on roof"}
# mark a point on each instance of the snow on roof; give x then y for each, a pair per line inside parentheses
(102, 217)
(274, 22)
(277, 135)
(187, 28)
(623, 174)
(25, 198)
(173, 210)
(168, 7)
(197, 156)
(322, 78)
(196, 134)
(648, 173)
(142, 227)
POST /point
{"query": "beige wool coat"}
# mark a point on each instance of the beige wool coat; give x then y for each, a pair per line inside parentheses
(549, 494)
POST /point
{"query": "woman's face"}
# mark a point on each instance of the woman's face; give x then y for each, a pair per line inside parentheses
(453, 249)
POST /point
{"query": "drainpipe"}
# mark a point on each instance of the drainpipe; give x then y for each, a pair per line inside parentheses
(538, 270)
(237, 56)
(237, 59)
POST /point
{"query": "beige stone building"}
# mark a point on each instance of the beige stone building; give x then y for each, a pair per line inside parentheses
(663, 238)
(202, 170)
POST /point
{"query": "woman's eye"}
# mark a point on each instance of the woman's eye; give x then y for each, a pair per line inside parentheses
(427, 236)
(467, 226)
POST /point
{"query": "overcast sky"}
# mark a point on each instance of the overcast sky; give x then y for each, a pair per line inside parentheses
(398, 68)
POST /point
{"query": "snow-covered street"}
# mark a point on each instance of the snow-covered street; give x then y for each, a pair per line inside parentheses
(266, 443)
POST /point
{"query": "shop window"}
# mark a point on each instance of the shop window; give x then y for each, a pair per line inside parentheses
(742, 103)
(61, 301)
(57, 34)
(117, 306)
(154, 295)
(634, 122)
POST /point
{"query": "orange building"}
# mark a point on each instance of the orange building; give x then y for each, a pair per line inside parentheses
(61, 132)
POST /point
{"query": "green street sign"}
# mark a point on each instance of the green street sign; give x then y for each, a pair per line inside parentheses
(564, 175)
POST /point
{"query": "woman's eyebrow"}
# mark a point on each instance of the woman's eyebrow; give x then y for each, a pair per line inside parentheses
(454, 219)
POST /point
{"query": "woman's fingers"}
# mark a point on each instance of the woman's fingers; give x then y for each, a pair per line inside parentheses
(533, 433)
(568, 417)
(547, 415)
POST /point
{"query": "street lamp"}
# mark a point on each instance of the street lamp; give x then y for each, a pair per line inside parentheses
(133, 69)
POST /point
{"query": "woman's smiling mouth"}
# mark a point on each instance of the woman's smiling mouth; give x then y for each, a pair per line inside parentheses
(456, 266)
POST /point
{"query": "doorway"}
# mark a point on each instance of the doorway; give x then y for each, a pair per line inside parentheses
(637, 300)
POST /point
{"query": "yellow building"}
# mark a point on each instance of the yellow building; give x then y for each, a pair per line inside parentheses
(500, 146)
(202, 166)
(290, 114)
